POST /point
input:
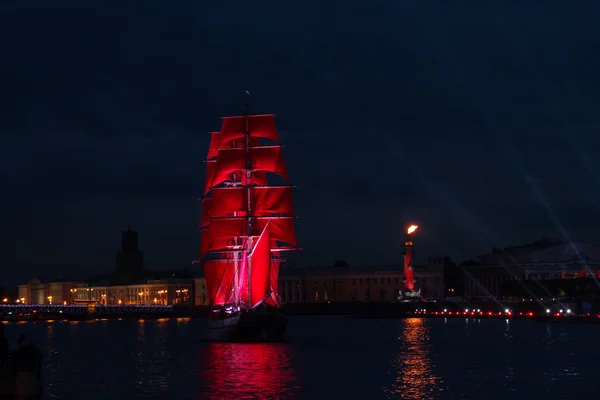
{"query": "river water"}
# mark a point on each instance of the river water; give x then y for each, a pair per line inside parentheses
(323, 358)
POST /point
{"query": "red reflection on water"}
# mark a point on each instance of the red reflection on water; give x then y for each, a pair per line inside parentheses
(244, 371)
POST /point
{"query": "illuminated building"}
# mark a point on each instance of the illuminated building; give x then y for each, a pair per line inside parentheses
(160, 292)
(37, 292)
(130, 283)
(338, 283)
(342, 283)
(543, 260)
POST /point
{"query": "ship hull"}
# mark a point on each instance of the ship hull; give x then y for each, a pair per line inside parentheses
(249, 326)
(221, 330)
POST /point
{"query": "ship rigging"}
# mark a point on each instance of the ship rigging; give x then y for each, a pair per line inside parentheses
(246, 222)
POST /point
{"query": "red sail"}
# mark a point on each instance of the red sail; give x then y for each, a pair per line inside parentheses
(264, 201)
(259, 178)
(216, 144)
(230, 161)
(273, 299)
(206, 211)
(229, 228)
(211, 180)
(259, 126)
(260, 266)
(282, 229)
(243, 277)
(219, 281)
(231, 156)
(269, 159)
(228, 201)
(215, 137)
(221, 233)
(209, 242)
(210, 176)
(204, 242)
(272, 200)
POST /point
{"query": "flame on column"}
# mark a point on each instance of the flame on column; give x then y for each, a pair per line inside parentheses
(412, 229)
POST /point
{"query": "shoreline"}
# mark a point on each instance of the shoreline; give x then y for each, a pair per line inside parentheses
(549, 320)
(422, 310)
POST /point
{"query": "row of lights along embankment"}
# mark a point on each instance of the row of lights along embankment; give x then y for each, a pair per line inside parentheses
(478, 313)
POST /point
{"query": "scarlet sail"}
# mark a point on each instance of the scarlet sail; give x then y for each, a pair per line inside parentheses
(260, 273)
(264, 201)
(273, 299)
(256, 126)
(232, 160)
(246, 222)
(219, 277)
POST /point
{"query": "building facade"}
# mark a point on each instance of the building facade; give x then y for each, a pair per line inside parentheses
(344, 283)
(130, 283)
(159, 292)
(328, 284)
(541, 260)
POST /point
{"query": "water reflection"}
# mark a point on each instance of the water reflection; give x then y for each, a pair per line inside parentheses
(509, 357)
(153, 359)
(245, 371)
(412, 365)
(563, 367)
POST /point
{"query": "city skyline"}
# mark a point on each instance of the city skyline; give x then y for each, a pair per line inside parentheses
(475, 122)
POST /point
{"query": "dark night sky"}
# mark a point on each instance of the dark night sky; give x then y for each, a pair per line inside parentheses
(479, 122)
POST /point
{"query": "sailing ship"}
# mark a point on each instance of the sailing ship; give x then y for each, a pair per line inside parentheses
(246, 225)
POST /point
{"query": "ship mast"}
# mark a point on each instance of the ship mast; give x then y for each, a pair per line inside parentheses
(236, 177)
(248, 179)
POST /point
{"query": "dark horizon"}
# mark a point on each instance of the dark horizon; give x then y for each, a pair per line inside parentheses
(477, 122)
